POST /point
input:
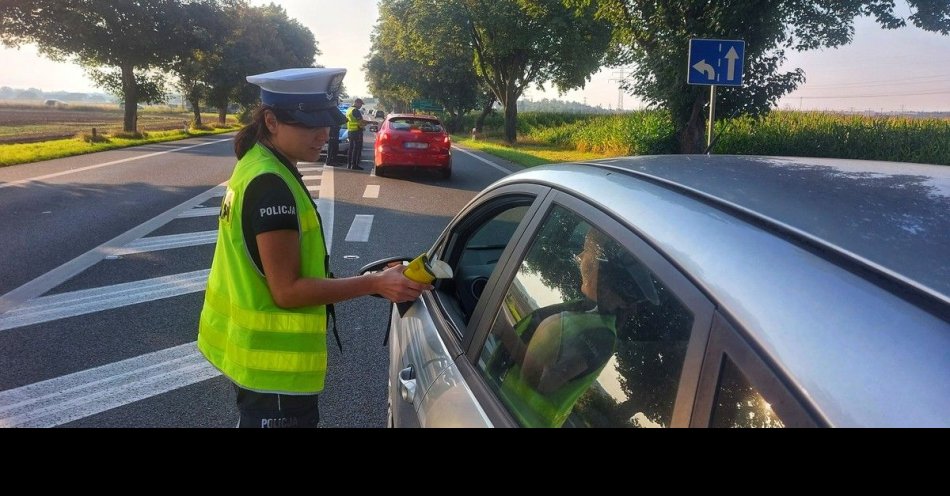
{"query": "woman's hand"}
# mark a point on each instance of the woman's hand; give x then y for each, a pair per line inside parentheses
(397, 288)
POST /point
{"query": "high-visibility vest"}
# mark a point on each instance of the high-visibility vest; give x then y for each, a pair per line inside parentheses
(535, 409)
(352, 123)
(242, 332)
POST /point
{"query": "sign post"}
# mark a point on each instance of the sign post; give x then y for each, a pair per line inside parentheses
(712, 63)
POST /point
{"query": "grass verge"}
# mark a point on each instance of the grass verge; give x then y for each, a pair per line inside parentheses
(22, 153)
(527, 154)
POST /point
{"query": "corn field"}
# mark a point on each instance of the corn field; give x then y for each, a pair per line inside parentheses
(784, 133)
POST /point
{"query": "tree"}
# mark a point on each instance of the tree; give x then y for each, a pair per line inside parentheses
(132, 37)
(519, 43)
(194, 63)
(262, 39)
(419, 52)
(655, 36)
(390, 74)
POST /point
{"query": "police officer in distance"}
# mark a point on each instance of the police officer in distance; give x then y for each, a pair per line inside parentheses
(270, 292)
(333, 145)
(355, 123)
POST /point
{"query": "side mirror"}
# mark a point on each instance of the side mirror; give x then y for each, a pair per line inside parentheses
(383, 264)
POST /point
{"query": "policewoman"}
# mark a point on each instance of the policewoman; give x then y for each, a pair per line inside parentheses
(270, 291)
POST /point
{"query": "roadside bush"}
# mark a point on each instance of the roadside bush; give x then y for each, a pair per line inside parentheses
(90, 138)
(133, 135)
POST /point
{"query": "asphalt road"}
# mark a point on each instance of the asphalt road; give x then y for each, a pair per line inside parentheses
(106, 256)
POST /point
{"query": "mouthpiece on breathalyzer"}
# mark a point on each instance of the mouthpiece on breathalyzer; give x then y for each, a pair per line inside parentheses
(423, 270)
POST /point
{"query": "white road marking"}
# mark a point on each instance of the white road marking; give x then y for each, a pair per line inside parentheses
(72, 397)
(156, 243)
(309, 169)
(311, 178)
(114, 162)
(360, 228)
(325, 206)
(83, 301)
(372, 191)
(200, 212)
(69, 269)
(313, 189)
(489, 162)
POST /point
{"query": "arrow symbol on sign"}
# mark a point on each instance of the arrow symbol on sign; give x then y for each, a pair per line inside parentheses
(705, 68)
(732, 56)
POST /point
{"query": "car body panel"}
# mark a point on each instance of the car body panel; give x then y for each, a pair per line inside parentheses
(757, 288)
(858, 335)
(449, 402)
(417, 344)
(873, 210)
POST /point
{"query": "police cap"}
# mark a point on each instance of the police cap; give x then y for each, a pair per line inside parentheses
(306, 95)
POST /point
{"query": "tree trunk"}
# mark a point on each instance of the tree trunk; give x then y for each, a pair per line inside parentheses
(511, 116)
(454, 122)
(222, 106)
(130, 92)
(196, 109)
(486, 111)
(691, 137)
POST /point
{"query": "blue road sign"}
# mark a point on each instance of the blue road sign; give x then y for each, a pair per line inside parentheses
(716, 62)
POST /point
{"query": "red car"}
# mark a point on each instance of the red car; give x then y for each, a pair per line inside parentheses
(409, 140)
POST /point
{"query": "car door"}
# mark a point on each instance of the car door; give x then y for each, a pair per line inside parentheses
(739, 389)
(427, 339)
(549, 351)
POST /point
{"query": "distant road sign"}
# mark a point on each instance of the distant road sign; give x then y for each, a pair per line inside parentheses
(716, 62)
(425, 105)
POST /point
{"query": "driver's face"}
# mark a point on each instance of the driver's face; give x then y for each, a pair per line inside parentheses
(589, 266)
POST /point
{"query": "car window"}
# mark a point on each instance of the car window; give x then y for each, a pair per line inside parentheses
(424, 125)
(586, 335)
(738, 403)
(479, 249)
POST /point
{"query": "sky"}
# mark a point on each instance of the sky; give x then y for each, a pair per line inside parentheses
(907, 69)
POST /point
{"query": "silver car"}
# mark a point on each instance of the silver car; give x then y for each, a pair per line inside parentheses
(675, 291)
(343, 148)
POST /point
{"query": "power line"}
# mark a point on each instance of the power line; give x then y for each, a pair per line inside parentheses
(875, 96)
(885, 82)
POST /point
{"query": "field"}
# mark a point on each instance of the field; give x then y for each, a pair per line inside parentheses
(27, 123)
(805, 134)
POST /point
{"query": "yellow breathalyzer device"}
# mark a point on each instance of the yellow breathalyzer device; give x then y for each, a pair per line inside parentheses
(418, 270)
(424, 271)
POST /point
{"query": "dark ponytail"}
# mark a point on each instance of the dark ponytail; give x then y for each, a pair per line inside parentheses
(252, 133)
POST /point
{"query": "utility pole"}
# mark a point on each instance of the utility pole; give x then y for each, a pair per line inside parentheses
(621, 78)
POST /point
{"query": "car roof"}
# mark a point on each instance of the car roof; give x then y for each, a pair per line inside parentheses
(835, 269)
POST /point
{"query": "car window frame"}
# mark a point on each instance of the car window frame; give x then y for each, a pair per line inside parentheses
(628, 236)
(725, 339)
(485, 208)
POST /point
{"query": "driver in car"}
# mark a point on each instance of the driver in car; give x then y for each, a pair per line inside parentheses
(556, 352)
